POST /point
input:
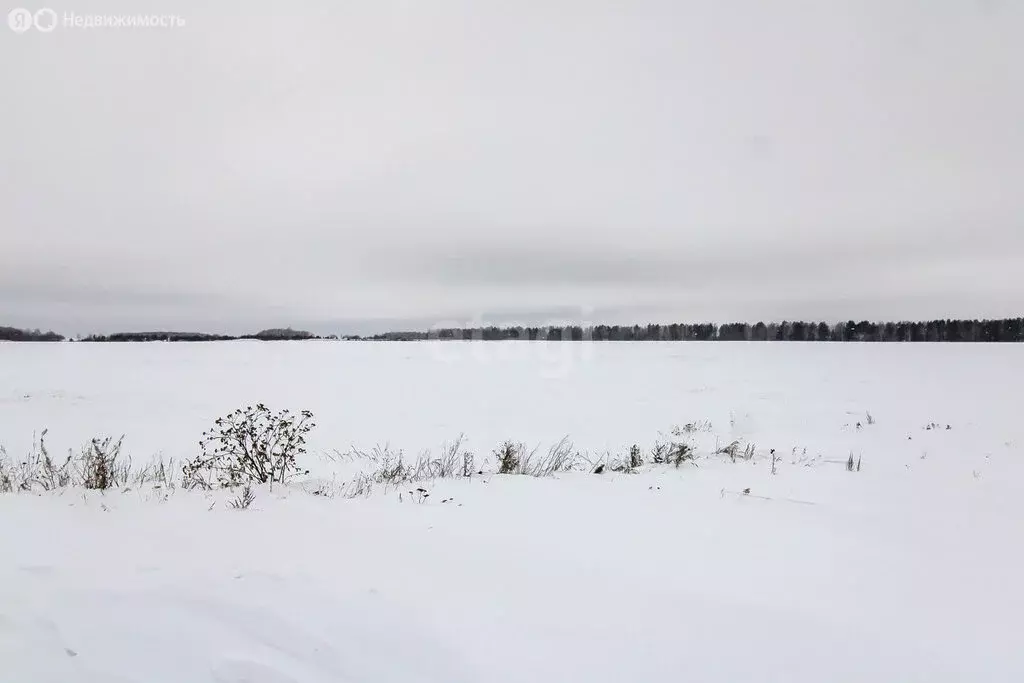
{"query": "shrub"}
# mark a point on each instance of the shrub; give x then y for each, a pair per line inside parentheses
(680, 453)
(636, 458)
(680, 448)
(251, 445)
(509, 456)
(102, 467)
(6, 480)
(675, 451)
(731, 450)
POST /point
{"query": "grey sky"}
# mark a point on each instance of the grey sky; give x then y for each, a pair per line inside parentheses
(361, 165)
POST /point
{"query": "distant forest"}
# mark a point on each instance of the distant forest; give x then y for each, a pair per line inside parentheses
(14, 334)
(276, 334)
(1004, 330)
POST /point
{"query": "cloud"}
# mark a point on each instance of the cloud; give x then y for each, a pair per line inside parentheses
(395, 161)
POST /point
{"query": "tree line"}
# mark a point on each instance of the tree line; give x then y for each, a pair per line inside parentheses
(1002, 330)
(274, 334)
(14, 334)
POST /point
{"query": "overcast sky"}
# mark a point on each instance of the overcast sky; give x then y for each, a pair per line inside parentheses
(350, 166)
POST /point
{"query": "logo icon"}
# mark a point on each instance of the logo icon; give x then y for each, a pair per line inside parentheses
(20, 20)
(45, 20)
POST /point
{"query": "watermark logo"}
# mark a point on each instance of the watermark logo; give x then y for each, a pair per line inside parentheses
(20, 20)
(46, 20)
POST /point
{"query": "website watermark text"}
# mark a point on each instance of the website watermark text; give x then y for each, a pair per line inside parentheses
(46, 20)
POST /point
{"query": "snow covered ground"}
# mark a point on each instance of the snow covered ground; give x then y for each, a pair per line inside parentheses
(908, 570)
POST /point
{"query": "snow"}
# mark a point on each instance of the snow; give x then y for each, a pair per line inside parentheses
(905, 571)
